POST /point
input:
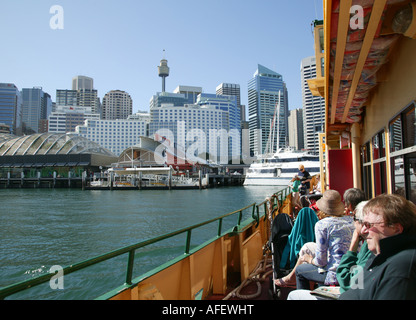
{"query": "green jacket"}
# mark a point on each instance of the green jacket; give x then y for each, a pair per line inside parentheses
(295, 186)
(349, 260)
(390, 275)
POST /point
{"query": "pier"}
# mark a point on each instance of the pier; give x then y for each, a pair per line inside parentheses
(90, 182)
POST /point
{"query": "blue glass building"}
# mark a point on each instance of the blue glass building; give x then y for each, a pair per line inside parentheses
(11, 107)
(263, 99)
(36, 106)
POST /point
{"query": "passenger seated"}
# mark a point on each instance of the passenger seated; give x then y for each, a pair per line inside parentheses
(333, 237)
(351, 264)
(352, 197)
(294, 185)
(316, 186)
(302, 233)
(389, 224)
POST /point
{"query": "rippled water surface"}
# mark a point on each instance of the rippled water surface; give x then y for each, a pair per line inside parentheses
(41, 228)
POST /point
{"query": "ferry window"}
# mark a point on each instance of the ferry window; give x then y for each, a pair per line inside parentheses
(365, 153)
(397, 176)
(366, 172)
(396, 141)
(403, 156)
(379, 144)
(410, 170)
(379, 163)
(409, 127)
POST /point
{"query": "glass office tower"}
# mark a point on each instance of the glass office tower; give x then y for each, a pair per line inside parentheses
(11, 107)
(36, 106)
(268, 123)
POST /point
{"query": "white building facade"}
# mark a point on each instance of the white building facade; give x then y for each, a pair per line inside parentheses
(65, 118)
(117, 104)
(115, 135)
(313, 107)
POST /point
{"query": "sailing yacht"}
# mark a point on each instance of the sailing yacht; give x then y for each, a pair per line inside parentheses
(277, 168)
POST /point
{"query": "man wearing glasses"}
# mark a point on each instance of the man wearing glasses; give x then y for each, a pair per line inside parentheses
(389, 226)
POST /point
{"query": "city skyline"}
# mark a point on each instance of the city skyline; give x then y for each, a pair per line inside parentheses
(120, 45)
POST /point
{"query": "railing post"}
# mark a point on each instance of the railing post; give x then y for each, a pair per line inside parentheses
(240, 216)
(266, 214)
(188, 241)
(219, 227)
(256, 216)
(130, 263)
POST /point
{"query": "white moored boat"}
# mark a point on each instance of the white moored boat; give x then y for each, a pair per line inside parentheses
(278, 169)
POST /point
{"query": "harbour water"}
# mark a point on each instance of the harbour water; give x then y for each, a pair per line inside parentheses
(41, 228)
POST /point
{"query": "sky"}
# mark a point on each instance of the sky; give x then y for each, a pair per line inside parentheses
(120, 43)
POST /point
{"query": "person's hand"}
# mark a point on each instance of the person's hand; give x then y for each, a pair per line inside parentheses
(306, 258)
(355, 241)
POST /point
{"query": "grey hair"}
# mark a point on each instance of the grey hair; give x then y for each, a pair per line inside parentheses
(359, 214)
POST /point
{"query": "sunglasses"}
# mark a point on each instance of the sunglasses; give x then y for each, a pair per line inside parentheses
(369, 225)
(358, 220)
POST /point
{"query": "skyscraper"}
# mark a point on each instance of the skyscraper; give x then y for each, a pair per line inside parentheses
(191, 93)
(117, 104)
(296, 129)
(313, 107)
(82, 94)
(231, 89)
(66, 97)
(36, 106)
(82, 82)
(11, 107)
(268, 122)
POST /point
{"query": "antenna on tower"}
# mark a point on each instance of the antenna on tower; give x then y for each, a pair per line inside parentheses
(163, 70)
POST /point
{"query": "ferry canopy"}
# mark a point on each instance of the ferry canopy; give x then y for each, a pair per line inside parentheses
(353, 47)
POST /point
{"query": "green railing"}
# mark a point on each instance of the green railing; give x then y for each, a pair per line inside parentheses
(130, 250)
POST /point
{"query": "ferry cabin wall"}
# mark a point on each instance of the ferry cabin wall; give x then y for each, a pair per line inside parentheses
(394, 93)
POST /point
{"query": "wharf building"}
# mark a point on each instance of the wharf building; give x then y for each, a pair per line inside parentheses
(11, 107)
(264, 90)
(313, 107)
(47, 160)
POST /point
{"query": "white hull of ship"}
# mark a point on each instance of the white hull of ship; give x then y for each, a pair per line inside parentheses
(267, 181)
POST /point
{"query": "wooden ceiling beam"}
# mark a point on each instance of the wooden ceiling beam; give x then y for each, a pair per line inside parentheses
(343, 24)
(376, 14)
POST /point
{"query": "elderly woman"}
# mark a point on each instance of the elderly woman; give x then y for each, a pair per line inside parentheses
(333, 237)
(352, 263)
(319, 261)
(357, 254)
